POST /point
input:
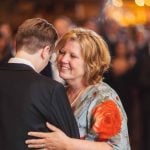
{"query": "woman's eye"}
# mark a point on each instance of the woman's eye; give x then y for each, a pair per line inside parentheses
(73, 56)
(61, 52)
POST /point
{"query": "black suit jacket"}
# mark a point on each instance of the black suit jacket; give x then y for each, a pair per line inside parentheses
(27, 101)
(47, 71)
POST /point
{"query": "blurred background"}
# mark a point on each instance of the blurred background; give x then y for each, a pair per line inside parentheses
(124, 24)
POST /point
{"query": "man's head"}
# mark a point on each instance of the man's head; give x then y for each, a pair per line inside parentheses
(36, 36)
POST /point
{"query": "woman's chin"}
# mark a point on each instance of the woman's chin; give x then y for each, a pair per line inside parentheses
(64, 76)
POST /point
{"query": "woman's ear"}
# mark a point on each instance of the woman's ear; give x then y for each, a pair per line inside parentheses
(46, 52)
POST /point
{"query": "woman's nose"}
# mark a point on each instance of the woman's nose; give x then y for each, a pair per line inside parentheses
(65, 58)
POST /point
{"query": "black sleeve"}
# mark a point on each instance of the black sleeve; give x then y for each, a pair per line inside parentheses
(63, 113)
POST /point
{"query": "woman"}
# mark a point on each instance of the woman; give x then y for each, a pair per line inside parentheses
(83, 57)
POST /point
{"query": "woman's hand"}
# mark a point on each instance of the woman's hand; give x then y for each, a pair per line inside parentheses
(55, 140)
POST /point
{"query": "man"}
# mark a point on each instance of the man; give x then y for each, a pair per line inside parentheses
(27, 99)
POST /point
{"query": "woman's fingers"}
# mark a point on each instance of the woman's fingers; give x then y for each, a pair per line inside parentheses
(52, 127)
(37, 134)
(41, 146)
(44, 135)
(46, 141)
(35, 141)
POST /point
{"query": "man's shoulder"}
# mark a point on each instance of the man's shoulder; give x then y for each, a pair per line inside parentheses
(48, 81)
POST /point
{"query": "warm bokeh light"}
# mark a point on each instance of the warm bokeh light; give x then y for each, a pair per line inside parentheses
(147, 2)
(117, 3)
(128, 14)
(140, 2)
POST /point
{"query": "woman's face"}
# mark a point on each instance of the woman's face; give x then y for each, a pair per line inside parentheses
(70, 62)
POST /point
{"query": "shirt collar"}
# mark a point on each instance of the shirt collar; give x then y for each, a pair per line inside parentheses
(21, 61)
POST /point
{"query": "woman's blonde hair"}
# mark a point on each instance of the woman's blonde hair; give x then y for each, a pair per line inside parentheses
(94, 51)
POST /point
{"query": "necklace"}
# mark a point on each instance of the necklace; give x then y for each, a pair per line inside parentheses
(74, 101)
(74, 96)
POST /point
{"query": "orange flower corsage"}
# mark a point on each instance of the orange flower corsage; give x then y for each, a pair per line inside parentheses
(106, 120)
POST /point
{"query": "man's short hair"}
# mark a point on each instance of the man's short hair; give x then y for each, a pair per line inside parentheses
(34, 34)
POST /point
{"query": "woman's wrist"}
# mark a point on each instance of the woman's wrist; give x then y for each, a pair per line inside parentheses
(68, 143)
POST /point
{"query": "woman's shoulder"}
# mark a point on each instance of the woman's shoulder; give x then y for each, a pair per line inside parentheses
(102, 92)
(104, 86)
(106, 90)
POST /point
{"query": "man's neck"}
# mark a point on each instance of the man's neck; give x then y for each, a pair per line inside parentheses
(22, 55)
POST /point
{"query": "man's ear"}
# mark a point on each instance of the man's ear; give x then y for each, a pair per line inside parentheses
(45, 52)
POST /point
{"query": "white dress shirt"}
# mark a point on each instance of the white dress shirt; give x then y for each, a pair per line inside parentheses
(21, 61)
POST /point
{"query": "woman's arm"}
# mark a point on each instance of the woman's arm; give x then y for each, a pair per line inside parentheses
(57, 140)
(76, 144)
